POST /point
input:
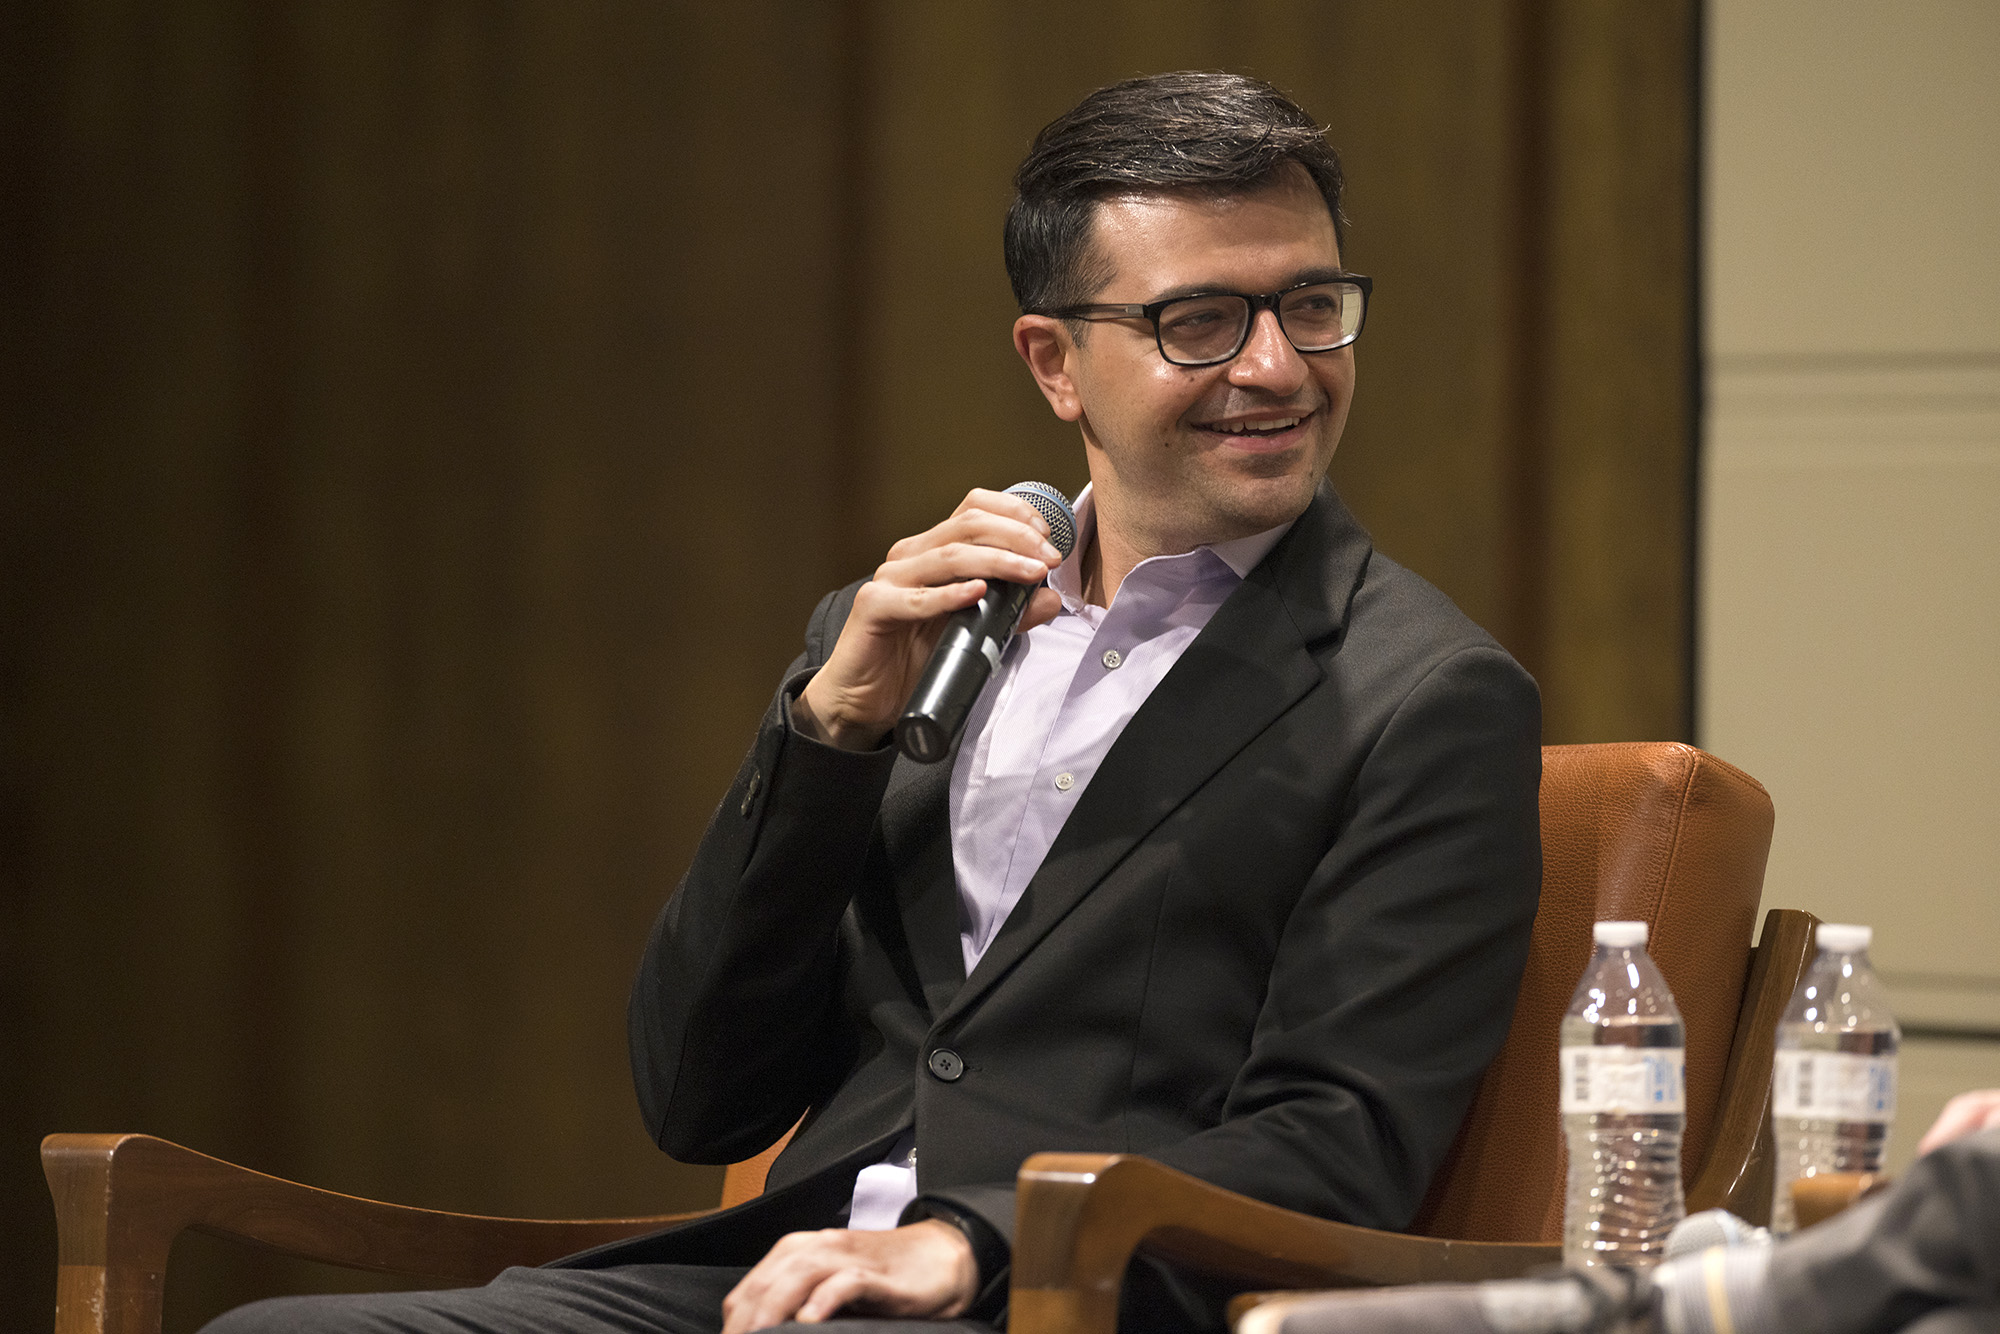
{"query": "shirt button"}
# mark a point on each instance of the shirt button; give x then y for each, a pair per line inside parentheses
(1112, 657)
(946, 1064)
(1065, 781)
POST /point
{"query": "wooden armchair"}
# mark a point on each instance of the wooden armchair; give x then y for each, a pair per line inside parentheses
(1658, 832)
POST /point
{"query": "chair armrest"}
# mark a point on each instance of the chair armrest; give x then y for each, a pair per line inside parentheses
(121, 1200)
(1737, 1174)
(1079, 1217)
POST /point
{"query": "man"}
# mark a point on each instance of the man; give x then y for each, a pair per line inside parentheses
(1235, 863)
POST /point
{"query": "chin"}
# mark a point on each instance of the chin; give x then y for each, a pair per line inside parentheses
(1280, 500)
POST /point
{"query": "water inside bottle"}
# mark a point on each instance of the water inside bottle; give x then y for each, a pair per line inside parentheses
(1833, 1089)
(1809, 1145)
(1624, 1187)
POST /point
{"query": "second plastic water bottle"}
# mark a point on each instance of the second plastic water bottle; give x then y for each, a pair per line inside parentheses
(1833, 1088)
(1624, 1104)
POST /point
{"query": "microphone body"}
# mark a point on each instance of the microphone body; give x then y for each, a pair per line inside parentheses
(974, 638)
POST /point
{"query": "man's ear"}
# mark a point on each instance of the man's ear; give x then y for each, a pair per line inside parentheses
(1046, 345)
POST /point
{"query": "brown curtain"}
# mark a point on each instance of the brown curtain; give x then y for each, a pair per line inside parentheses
(427, 426)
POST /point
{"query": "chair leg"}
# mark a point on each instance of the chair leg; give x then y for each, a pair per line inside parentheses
(94, 1294)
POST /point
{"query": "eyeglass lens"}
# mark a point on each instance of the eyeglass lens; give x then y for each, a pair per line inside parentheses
(1203, 329)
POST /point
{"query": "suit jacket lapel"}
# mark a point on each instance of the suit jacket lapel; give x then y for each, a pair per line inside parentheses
(916, 835)
(1248, 666)
(913, 856)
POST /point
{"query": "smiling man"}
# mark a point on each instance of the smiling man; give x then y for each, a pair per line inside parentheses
(1208, 413)
(1234, 864)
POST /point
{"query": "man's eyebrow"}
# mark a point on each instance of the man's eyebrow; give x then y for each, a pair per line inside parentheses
(1319, 273)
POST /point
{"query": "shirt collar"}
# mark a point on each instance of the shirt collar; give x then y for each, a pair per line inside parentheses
(1238, 556)
(1243, 554)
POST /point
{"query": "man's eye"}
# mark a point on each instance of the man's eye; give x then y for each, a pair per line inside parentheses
(1193, 321)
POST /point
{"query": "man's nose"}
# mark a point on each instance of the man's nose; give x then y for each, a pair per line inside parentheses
(1268, 359)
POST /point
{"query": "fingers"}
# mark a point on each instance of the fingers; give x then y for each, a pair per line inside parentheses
(1003, 502)
(991, 535)
(881, 604)
(854, 698)
(956, 561)
(843, 1288)
(774, 1289)
(1966, 1114)
(925, 1269)
(993, 518)
(1042, 607)
(984, 530)
(867, 1292)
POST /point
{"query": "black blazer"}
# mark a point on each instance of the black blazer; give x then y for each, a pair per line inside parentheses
(1275, 944)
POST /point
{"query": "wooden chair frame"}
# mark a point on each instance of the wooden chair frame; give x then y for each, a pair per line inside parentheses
(121, 1200)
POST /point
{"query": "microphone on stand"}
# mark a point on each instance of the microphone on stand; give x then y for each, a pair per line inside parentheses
(973, 639)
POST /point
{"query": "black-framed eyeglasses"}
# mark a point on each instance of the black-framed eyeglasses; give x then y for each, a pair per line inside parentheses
(1212, 327)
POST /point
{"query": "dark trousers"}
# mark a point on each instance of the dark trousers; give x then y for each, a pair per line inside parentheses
(660, 1299)
(1923, 1256)
(627, 1299)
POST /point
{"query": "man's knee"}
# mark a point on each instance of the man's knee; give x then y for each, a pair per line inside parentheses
(295, 1315)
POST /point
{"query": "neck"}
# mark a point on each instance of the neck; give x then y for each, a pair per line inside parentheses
(1113, 554)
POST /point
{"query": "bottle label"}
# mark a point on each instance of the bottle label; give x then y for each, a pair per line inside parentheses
(1834, 1085)
(1624, 1080)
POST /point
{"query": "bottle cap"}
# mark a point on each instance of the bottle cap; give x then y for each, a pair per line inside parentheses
(1843, 937)
(1621, 935)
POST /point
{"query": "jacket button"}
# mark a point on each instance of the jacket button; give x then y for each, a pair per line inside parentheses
(946, 1064)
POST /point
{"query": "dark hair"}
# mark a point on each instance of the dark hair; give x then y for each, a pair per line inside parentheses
(1197, 131)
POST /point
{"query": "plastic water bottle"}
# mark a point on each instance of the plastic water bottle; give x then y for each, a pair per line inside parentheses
(1833, 1085)
(1624, 1103)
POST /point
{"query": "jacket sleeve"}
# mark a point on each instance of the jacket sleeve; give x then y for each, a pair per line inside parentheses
(731, 1018)
(1396, 972)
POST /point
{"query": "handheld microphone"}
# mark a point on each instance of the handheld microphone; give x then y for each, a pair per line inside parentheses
(973, 639)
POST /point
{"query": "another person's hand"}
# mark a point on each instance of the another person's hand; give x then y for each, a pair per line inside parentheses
(1966, 1114)
(924, 1270)
(855, 699)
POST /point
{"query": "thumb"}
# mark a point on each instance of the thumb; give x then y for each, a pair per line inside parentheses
(1041, 609)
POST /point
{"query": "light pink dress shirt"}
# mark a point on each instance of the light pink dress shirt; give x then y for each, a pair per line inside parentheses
(1041, 728)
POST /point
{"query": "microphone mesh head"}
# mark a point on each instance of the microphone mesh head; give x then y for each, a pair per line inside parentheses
(1712, 1227)
(1054, 507)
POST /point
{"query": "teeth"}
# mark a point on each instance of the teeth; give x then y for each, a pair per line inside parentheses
(1263, 428)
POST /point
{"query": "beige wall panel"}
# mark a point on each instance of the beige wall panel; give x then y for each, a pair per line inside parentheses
(1856, 183)
(1850, 635)
(1930, 1072)
(1851, 552)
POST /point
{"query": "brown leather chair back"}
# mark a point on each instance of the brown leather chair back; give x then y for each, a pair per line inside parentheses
(744, 1181)
(1657, 832)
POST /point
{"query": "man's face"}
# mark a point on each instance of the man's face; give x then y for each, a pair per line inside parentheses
(1180, 455)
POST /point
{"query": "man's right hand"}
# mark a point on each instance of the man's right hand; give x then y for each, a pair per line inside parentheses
(855, 699)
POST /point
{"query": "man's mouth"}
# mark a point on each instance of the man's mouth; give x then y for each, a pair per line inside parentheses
(1257, 429)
